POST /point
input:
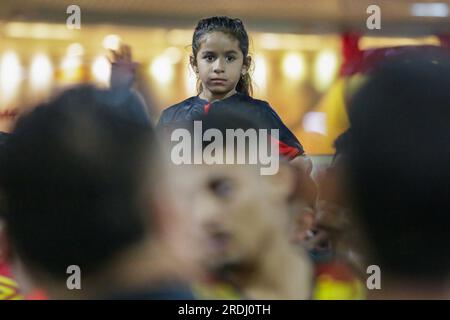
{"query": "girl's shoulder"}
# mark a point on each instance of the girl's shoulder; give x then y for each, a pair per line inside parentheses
(257, 106)
(185, 104)
(181, 111)
(248, 99)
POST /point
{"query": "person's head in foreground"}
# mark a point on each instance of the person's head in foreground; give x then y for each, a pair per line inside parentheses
(245, 218)
(399, 170)
(83, 187)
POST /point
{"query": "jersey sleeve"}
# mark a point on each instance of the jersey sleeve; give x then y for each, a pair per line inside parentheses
(289, 146)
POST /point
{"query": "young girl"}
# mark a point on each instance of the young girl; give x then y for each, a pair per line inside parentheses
(221, 62)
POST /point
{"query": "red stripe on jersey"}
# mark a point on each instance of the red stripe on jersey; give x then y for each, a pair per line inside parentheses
(206, 107)
(286, 150)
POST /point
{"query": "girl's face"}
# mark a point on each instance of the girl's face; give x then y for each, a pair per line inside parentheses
(219, 64)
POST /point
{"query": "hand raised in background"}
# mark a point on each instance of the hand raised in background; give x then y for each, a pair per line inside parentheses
(123, 69)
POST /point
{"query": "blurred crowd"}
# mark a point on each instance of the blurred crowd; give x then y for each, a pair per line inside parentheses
(87, 180)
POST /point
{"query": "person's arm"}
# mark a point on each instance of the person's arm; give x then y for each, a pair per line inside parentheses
(121, 93)
(137, 107)
(289, 145)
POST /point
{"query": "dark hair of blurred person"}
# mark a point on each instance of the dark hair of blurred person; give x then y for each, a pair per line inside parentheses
(399, 170)
(8, 285)
(83, 186)
(3, 137)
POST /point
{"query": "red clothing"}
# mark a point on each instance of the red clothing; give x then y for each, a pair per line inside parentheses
(8, 287)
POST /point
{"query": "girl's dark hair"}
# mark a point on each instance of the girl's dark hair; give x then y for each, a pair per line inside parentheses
(232, 27)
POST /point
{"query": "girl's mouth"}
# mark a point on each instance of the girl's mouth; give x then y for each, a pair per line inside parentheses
(218, 81)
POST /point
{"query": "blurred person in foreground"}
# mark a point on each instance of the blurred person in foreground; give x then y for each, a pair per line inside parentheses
(246, 221)
(82, 185)
(8, 286)
(398, 172)
(335, 244)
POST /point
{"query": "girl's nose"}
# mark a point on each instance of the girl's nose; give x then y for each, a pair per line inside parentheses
(219, 66)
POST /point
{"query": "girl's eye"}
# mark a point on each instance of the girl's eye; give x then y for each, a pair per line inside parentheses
(231, 58)
(209, 57)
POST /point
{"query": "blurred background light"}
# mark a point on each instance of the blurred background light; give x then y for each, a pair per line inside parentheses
(260, 73)
(173, 54)
(382, 42)
(75, 49)
(10, 76)
(179, 37)
(112, 42)
(315, 122)
(325, 69)
(294, 66)
(270, 41)
(41, 72)
(101, 70)
(161, 69)
(431, 9)
(71, 64)
(38, 31)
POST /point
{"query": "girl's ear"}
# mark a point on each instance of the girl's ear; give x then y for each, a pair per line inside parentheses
(246, 65)
(193, 63)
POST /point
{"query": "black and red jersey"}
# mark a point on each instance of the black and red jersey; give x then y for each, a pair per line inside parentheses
(194, 107)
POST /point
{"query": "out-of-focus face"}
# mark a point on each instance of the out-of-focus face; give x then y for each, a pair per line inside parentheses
(233, 207)
(219, 63)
